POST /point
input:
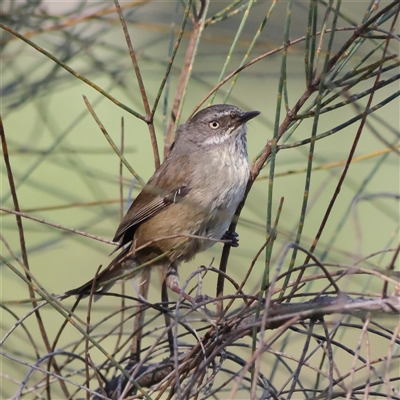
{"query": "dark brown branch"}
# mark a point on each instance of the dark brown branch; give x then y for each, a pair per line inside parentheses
(278, 315)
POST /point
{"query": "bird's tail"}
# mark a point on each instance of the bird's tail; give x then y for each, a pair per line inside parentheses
(111, 271)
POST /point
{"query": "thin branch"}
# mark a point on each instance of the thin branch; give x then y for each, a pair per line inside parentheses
(72, 72)
(149, 116)
(25, 253)
(72, 230)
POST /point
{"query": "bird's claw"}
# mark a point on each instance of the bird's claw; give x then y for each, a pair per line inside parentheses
(233, 238)
(202, 298)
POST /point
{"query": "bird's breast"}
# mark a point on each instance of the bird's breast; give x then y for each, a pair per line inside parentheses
(220, 189)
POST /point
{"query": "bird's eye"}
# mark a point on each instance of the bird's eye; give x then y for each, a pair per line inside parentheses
(213, 124)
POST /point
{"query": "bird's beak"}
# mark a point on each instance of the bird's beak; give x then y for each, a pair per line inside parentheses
(247, 116)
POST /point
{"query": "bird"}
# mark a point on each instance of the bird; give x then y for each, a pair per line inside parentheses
(188, 203)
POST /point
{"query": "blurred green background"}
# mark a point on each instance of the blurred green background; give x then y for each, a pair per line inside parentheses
(60, 157)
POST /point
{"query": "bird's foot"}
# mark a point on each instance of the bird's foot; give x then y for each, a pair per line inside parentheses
(233, 238)
(202, 298)
(198, 303)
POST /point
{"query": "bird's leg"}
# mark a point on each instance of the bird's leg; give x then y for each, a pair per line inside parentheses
(173, 283)
(233, 237)
(167, 316)
(172, 280)
(139, 317)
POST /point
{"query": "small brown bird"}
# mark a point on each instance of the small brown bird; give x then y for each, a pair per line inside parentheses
(195, 192)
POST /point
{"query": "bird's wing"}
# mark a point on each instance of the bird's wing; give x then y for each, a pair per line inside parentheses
(161, 191)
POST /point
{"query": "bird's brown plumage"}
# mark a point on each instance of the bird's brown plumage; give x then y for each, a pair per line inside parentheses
(194, 192)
